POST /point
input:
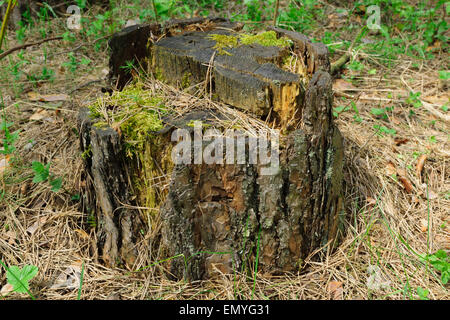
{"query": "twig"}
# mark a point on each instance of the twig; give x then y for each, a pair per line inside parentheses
(8, 52)
(338, 64)
(275, 17)
(85, 85)
(155, 11)
(428, 106)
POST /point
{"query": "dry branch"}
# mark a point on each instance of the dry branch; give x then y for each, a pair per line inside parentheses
(23, 46)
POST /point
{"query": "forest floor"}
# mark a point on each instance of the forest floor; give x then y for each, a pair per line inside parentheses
(391, 109)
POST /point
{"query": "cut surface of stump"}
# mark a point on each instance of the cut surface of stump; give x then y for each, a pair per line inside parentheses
(264, 74)
(223, 216)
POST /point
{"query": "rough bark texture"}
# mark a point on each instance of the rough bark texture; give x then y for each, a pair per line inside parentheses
(223, 217)
(118, 226)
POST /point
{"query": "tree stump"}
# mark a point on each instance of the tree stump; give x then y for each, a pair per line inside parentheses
(231, 215)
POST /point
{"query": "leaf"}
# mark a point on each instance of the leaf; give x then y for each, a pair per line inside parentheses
(47, 98)
(336, 290)
(40, 222)
(56, 184)
(371, 201)
(42, 115)
(420, 164)
(423, 293)
(343, 85)
(4, 164)
(423, 225)
(378, 111)
(444, 74)
(406, 184)
(19, 278)
(41, 172)
(391, 169)
(6, 289)
(69, 278)
(400, 141)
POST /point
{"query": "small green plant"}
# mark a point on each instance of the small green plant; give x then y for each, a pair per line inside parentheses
(422, 293)
(414, 99)
(45, 75)
(382, 130)
(340, 109)
(441, 262)
(19, 277)
(9, 139)
(129, 65)
(91, 220)
(381, 112)
(443, 74)
(42, 173)
(72, 64)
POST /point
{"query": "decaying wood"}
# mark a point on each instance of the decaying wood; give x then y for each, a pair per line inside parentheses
(118, 226)
(219, 218)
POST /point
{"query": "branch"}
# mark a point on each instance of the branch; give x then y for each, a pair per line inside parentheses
(338, 64)
(277, 9)
(8, 52)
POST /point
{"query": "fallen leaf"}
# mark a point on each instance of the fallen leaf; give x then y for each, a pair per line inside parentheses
(40, 222)
(371, 201)
(33, 96)
(423, 225)
(42, 115)
(399, 141)
(11, 236)
(428, 193)
(420, 164)
(402, 172)
(343, 85)
(436, 45)
(406, 184)
(4, 164)
(336, 291)
(69, 278)
(82, 233)
(391, 169)
(7, 288)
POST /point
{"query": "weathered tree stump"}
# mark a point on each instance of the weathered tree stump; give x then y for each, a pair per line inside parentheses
(222, 216)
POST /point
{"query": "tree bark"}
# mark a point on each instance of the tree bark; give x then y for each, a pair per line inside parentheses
(221, 218)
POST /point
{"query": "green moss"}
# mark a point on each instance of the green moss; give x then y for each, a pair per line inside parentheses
(159, 75)
(186, 80)
(101, 125)
(135, 110)
(87, 153)
(267, 39)
(224, 42)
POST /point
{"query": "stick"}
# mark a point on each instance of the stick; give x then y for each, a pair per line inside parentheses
(275, 17)
(338, 64)
(428, 106)
(155, 11)
(4, 54)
